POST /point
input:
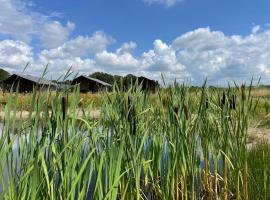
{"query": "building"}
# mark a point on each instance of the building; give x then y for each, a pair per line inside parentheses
(26, 83)
(88, 84)
(148, 84)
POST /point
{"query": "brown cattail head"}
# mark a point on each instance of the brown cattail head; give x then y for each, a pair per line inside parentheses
(206, 103)
(223, 99)
(243, 92)
(186, 111)
(232, 102)
(176, 110)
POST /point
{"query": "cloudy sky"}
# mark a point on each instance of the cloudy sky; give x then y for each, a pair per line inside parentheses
(181, 39)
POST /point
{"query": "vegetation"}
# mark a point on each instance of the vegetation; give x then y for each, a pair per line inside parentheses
(124, 81)
(259, 170)
(167, 146)
(108, 78)
(3, 74)
(24, 100)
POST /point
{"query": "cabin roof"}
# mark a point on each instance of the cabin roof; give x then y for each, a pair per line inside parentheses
(34, 79)
(92, 79)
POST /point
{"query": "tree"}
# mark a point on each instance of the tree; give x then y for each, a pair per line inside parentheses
(108, 78)
(3, 74)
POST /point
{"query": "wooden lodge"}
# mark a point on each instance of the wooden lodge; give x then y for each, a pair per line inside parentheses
(88, 84)
(26, 83)
(148, 84)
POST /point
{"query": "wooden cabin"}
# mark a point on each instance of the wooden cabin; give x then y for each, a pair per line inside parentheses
(148, 84)
(26, 83)
(88, 84)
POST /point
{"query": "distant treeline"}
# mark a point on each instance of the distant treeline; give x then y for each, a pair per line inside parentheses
(124, 81)
(3, 74)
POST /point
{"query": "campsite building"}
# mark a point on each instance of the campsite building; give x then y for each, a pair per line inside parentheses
(148, 84)
(88, 84)
(26, 83)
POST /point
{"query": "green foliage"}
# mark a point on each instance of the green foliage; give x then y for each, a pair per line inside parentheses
(259, 168)
(108, 78)
(176, 147)
(3, 74)
(126, 81)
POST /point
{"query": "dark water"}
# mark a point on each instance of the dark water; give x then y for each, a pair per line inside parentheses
(163, 161)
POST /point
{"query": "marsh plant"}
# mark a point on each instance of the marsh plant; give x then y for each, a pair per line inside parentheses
(185, 145)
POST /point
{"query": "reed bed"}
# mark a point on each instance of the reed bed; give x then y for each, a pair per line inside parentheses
(179, 147)
(24, 100)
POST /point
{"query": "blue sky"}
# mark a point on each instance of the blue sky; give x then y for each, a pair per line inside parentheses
(182, 39)
(143, 23)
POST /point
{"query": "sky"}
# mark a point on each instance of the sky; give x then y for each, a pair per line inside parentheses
(183, 40)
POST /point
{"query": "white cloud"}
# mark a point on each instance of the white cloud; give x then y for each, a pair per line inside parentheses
(15, 55)
(214, 55)
(76, 53)
(15, 21)
(117, 62)
(162, 58)
(127, 47)
(80, 46)
(255, 29)
(167, 3)
(196, 54)
(54, 34)
(19, 22)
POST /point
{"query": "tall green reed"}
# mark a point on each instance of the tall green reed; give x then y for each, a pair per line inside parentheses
(187, 144)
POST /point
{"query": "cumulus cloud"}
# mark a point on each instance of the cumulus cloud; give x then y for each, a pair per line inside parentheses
(53, 33)
(15, 55)
(127, 47)
(19, 22)
(80, 47)
(167, 3)
(255, 29)
(14, 20)
(162, 58)
(77, 53)
(214, 55)
(117, 62)
(194, 55)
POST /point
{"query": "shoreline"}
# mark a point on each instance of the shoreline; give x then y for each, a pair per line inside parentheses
(24, 114)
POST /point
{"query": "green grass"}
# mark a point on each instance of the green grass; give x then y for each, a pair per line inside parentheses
(176, 144)
(259, 168)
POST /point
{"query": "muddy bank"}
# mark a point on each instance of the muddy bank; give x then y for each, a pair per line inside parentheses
(258, 134)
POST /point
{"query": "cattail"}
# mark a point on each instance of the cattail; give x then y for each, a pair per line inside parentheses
(131, 117)
(206, 103)
(243, 92)
(176, 111)
(223, 100)
(129, 109)
(64, 108)
(232, 102)
(186, 111)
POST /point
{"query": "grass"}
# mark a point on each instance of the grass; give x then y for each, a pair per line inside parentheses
(24, 100)
(175, 144)
(259, 160)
